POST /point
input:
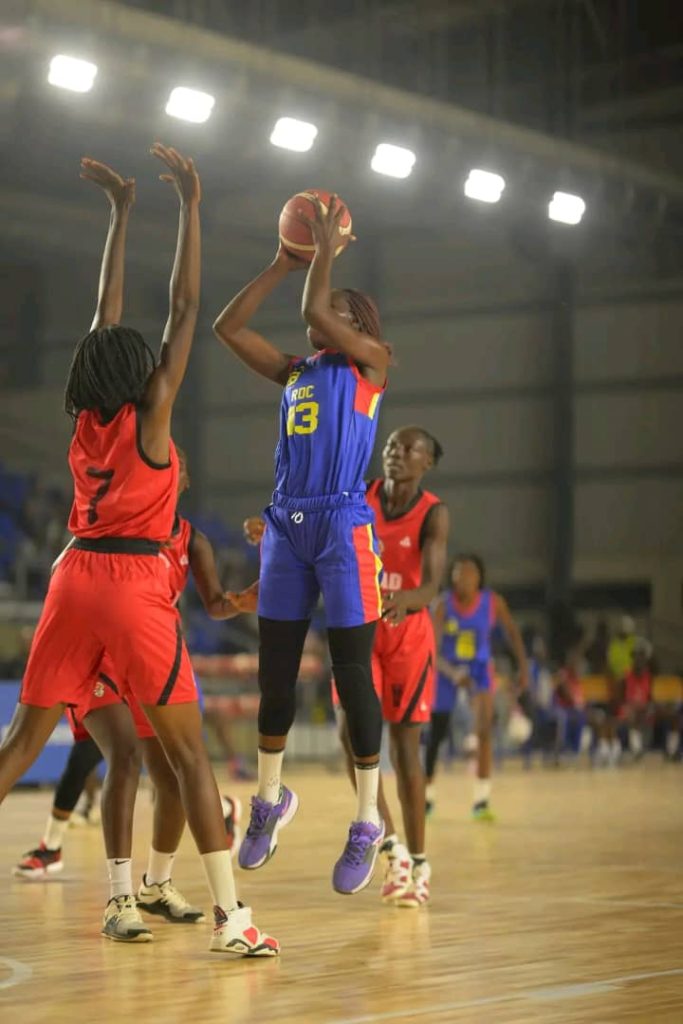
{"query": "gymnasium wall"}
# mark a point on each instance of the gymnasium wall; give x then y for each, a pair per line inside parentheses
(470, 313)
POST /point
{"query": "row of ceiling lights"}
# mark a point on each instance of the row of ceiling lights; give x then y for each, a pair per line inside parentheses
(299, 136)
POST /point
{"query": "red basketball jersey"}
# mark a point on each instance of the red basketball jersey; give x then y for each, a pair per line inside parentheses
(118, 491)
(176, 554)
(400, 538)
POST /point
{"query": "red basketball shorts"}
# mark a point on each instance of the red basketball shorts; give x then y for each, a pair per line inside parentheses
(113, 603)
(403, 669)
(103, 692)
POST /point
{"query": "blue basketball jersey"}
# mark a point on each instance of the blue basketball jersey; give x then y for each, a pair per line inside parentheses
(328, 423)
(466, 636)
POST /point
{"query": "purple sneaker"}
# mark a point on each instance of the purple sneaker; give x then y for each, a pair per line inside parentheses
(354, 869)
(260, 842)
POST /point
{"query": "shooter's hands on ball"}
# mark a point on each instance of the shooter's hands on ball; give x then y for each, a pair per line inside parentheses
(183, 174)
(288, 262)
(119, 191)
(325, 225)
(395, 606)
(254, 527)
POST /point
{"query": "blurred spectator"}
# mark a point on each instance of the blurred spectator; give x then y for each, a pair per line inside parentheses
(597, 650)
(636, 710)
(569, 704)
(621, 648)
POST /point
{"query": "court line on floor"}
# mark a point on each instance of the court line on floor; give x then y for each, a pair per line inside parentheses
(20, 972)
(547, 993)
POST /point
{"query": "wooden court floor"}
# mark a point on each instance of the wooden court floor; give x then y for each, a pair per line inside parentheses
(569, 909)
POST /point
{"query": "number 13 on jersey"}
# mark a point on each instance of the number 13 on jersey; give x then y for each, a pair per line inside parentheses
(302, 418)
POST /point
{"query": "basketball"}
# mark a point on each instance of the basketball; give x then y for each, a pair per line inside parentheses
(296, 235)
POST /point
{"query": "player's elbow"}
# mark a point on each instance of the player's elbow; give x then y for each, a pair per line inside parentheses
(183, 311)
(314, 314)
(224, 331)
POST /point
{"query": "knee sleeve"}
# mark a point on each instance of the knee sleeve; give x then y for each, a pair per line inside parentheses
(84, 756)
(438, 731)
(363, 713)
(280, 648)
(351, 650)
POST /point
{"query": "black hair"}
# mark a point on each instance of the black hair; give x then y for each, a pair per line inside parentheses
(475, 560)
(110, 367)
(364, 312)
(436, 446)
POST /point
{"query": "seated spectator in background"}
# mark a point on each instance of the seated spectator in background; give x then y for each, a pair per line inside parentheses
(596, 651)
(621, 648)
(636, 710)
(673, 745)
(569, 704)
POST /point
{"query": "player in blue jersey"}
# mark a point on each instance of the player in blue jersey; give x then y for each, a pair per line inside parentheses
(319, 534)
(463, 622)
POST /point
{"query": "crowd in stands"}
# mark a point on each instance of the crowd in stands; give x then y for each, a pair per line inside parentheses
(603, 699)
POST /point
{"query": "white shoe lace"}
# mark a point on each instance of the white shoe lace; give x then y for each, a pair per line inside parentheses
(126, 910)
(173, 898)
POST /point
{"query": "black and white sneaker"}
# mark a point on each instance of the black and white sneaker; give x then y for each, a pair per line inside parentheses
(164, 899)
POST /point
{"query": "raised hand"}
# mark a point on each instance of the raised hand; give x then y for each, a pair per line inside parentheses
(183, 175)
(120, 191)
(325, 225)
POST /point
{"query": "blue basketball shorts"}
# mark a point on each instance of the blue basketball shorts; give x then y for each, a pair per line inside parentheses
(481, 674)
(314, 546)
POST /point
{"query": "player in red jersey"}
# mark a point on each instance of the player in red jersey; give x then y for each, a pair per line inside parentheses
(109, 592)
(412, 528)
(186, 549)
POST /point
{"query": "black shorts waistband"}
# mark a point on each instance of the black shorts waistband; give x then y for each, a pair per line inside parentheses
(118, 545)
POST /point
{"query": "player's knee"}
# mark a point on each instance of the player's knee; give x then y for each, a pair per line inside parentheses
(361, 707)
(405, 752)
(124, 760)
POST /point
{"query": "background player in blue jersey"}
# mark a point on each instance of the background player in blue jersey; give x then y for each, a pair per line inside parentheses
(319, 534)
(463, 622)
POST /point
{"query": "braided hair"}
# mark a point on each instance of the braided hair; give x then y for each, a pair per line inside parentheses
(110, 367)
(364, 312)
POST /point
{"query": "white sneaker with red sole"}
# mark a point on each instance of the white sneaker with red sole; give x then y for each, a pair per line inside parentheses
(235, 933)
(397, 873)
(418, 893)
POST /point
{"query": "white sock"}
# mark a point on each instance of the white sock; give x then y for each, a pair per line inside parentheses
(120, 876)
(218, 871)
(159, 867)
(603, 749)
(269, 772)
(481, 791)
(367, 783)
(615, 751)
(672, 741)
(635, 741)
(55, 830)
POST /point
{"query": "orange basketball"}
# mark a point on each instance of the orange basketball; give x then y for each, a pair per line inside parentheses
(296, 235)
